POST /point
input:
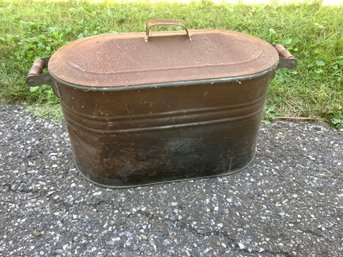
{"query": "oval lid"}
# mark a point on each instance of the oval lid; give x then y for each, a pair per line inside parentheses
(128, 59)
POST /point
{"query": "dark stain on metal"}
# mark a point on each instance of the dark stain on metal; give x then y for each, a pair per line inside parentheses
(144, 109)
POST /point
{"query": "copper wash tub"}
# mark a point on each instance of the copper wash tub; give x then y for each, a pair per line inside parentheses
(151, 107)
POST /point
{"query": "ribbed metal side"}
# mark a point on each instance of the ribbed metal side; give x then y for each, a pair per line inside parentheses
(137, 137)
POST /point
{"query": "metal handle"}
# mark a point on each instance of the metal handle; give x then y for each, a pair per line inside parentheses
(287, 60)
(153, 23)
(35, 76)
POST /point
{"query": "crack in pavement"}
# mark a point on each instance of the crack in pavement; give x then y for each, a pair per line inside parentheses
(10, 188)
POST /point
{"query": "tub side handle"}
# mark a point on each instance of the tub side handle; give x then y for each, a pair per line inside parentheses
(286, 59)
(36, 77)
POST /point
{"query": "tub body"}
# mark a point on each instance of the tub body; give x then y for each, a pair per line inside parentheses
(162, 109)
(149, 135)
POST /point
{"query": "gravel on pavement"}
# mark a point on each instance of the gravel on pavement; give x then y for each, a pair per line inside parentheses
(288, 202)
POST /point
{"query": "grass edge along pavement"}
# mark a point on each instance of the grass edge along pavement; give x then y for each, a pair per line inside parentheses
(314, 34)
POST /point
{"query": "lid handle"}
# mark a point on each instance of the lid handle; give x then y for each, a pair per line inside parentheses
(153, 23)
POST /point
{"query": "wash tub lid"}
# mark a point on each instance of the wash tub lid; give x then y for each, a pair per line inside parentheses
(164, 57)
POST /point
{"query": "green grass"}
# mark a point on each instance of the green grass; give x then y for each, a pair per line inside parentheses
(312, 33)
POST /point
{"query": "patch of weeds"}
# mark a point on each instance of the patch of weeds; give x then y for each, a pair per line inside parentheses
(47, 110)
(270, 114)
(337, 120)
(42, 44)
(43, 94)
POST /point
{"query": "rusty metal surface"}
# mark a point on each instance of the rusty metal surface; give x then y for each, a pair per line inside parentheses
(136, 137)
(126, 59)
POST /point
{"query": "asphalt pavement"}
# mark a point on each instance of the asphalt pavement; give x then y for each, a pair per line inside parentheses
(287, 202)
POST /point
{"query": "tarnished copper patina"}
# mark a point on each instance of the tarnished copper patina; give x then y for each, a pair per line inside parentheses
(150, 107)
